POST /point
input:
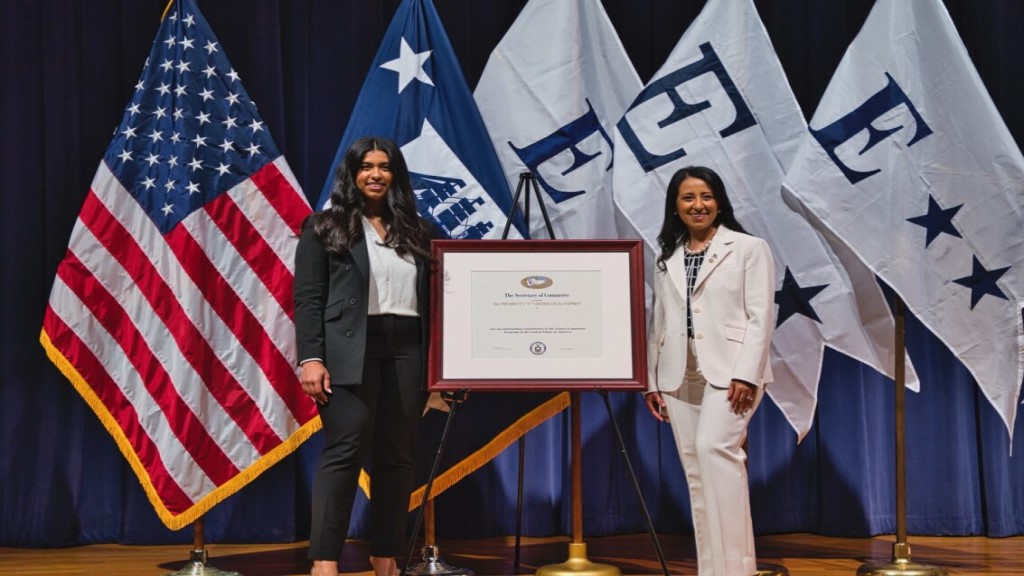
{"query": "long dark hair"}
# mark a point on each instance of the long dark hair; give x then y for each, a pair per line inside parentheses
(673, 231)
(340, 226)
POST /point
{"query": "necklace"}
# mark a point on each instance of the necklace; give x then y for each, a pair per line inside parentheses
(702, 249)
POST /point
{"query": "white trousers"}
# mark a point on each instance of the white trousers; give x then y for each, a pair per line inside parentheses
(709, 438)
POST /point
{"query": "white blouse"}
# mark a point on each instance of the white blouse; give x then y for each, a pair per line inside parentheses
(392, 278)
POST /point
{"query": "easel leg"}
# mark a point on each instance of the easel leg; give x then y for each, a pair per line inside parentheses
(636, 484)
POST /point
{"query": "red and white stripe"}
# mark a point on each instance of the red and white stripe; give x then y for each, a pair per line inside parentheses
(187, 338)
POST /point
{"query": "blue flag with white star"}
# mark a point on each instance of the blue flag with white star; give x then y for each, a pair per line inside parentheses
(908, 161)
(416, 95)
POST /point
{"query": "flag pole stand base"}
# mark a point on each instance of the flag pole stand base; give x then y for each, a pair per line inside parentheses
(766, 569)
(900, 565)
(578, 565)
(434, 565)
(197, 566)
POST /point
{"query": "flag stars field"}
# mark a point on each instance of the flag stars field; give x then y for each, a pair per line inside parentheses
(182, 126)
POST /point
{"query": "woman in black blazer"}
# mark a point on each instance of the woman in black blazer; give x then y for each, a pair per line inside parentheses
(361, 323)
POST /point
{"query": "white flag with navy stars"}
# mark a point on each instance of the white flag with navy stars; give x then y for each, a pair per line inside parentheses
(722, 100)
(908, 161)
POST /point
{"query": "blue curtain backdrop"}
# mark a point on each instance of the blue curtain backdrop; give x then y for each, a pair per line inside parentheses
(68, 69)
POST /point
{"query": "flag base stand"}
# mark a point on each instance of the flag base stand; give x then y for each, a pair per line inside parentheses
(766, 569)
(900, 565)
(434, 565)
(197, 566)
(578, 565)
(198, 557)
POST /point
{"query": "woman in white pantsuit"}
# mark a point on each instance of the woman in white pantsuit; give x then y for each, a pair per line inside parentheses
(714, 314)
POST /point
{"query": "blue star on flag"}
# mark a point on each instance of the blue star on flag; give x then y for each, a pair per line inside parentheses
(795, 299)
(982, 282)
(937, 220)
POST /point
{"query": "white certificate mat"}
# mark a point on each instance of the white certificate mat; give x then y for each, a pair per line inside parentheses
(537, 315)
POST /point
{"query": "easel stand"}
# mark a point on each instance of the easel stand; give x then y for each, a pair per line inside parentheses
(636, 483)
(198, 557)
(527, 181)
(900, 565)
(431, 563)
(577, 564)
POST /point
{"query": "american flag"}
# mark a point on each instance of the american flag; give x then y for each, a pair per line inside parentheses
(172, 311)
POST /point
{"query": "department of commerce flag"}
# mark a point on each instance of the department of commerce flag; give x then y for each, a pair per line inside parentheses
(908, 161)
(416, 95)
(551, 93)
(171, 312)
(721, 100)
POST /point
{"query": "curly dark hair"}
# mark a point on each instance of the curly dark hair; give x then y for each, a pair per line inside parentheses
(673, 231)
(339, 226)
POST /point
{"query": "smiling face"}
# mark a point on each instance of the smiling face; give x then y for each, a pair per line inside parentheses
(696, 206)
(374, 177)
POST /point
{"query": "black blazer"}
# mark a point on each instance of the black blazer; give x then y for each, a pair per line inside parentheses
(331, 294)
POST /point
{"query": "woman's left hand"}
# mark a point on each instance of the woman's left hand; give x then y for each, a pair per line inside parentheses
(741, 397)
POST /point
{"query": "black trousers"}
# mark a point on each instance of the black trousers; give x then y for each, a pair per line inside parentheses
(379, 415)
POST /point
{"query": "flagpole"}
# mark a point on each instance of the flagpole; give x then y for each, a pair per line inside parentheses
(901, 564)
(198, 557)
(431, 563)
(577, 564)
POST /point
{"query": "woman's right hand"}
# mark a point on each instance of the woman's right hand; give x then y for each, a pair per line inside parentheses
(656, 406)
(316, 382)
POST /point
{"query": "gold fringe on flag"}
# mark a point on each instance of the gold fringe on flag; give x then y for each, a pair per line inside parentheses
(190, 515)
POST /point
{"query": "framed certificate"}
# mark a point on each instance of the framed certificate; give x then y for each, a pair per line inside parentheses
(534, 315)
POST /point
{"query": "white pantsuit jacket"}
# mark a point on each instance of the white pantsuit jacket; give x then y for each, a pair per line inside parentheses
(733, 314)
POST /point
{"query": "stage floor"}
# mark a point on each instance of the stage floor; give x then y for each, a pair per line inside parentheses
(800, 554)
